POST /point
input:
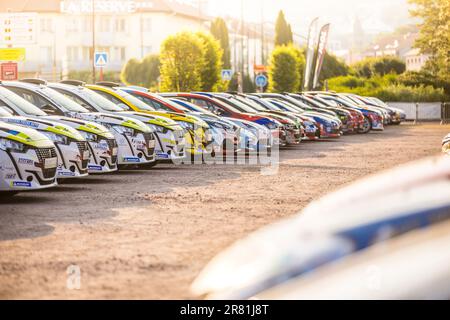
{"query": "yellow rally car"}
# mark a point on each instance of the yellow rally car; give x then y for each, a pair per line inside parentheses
(198, 136)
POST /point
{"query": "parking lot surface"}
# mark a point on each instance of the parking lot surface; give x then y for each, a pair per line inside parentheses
(147, 233)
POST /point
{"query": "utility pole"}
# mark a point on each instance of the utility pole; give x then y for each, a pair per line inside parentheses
(262, 34)
(93, 41)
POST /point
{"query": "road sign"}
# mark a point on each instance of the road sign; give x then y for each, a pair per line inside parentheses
(12, 54)
(261, 81)
(100, 59)
(227, 74)
(259, 68)
(9, 71)
(18, 28)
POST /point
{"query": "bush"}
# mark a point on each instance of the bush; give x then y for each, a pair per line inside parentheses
(414, 79)
(284, 69)
(86, 75)
(381, 66)
(387, 88)
(144, 73)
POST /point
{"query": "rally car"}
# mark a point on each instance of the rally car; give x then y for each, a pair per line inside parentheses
(169, 136)
(71, 147)
(126, 141)
(198, 139)
(28, 159)
(224, 110)
(377, 209)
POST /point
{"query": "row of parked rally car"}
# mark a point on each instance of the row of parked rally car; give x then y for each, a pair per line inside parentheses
(70, 129)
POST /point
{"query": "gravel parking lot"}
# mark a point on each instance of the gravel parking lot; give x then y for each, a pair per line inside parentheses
(145, 234)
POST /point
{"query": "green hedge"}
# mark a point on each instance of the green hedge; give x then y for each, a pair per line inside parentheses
(387, 88)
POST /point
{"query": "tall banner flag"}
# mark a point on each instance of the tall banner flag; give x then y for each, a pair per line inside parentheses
(310, 53)
(321, 50)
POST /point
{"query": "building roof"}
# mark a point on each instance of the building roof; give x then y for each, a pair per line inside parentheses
(166, 6)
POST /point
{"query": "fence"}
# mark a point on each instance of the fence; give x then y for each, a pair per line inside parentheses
(429, 111)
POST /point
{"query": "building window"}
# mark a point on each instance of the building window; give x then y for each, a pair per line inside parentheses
(72, 53)
(105, 24)
(146, 50)
(147, 24)
(46, 25)
(87, 24)
(46, 54)
(86, 53)
(72, 25)
(119, 25)
(119, 54)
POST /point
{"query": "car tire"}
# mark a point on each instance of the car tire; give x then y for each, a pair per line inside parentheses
(367, 126)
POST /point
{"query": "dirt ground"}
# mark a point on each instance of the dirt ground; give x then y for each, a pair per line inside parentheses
(146, 234)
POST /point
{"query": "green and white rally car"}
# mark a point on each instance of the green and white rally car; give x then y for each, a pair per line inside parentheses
(71, 148)
(170, 136)
(28, 159)
(101, 143)
(135, 141)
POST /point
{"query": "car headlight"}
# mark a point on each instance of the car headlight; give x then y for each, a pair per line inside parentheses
(186, 125)
(271, 125)
(124, 130)
(159, 129)
(90, 137)
(11, 145)
(57, 138)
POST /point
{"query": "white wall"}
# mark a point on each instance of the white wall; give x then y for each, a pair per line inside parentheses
(427, 111)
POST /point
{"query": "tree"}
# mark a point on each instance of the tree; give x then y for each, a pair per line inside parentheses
(284, 69)
(301, 65)
(332, 67)
(219, 30)
(212, 58)
(181, 62)
(380, 66)
(143, 73)
(434, 34)
(283, 31)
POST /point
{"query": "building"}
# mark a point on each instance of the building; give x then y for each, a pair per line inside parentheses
(124, 29)
(415, 60)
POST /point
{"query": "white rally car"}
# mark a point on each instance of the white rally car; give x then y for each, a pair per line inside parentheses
(71, 148)
(102, 145)
(170, 140)
(135, 140)
(28, 159)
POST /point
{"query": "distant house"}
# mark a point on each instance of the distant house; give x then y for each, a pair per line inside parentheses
(415, 60)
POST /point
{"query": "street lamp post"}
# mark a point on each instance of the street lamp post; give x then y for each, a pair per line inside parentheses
(93, 41)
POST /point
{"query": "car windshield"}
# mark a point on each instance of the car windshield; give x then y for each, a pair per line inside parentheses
(236, 104)
(62, 100)
(287, 106)
(141, 105)
(250, 103)
(17, 101)
(100, 101)
(188, 107)
(315, 103)
(356, 100)
(229, 105)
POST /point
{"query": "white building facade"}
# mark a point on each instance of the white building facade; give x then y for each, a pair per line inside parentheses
(124, 29)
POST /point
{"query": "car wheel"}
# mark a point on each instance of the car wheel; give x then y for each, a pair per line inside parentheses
(366, 126)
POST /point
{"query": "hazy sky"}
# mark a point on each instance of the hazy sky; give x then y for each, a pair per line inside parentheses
(375, 15)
